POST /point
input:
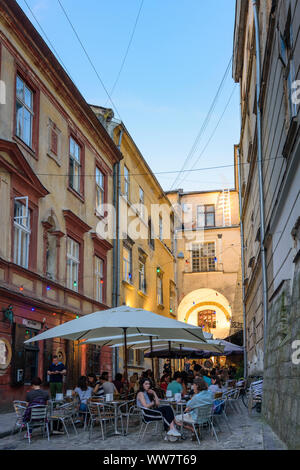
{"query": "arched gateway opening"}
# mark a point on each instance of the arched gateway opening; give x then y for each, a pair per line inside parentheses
(207, 308)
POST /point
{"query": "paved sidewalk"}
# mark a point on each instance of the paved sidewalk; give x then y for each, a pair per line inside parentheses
(7, 422)
(248, 433)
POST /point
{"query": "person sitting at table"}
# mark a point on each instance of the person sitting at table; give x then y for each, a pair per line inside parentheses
(202, 396)
(175, 386)
(36, 396)
(108, 387)
(84, 393)
(216, 385)
(118, 383)
(205, 376)
(164, 381)
(184, 383)
(133, 383)
(147, 398)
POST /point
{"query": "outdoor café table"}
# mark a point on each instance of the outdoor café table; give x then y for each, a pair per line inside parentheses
(115, 404)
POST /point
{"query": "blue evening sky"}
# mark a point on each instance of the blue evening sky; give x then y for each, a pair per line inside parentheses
(176, 61)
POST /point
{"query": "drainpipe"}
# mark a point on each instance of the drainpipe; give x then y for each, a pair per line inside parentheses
(260, 174)
(116, 245)
(243, 264)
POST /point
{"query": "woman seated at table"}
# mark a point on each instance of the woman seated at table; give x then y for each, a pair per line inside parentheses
(84, 392)
(147, 398)
(164, 381)
(216, 385)
(202, 396)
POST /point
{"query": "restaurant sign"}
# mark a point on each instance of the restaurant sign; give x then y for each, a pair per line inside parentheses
(32, 324)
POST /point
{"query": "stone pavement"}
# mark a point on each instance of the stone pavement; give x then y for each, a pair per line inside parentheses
(248, 433)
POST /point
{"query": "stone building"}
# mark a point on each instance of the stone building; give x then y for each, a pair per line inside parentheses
(278, 26)
(145, 277)
(208, 243)
(56, 163)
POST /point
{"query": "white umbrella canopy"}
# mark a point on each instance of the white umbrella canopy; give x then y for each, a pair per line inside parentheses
(118, 320)
(112, 340)
(174, 344)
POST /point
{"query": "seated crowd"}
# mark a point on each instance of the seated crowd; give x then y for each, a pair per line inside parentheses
(198, 386)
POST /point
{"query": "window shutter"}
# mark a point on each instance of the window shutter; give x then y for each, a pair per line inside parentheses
(54, 142)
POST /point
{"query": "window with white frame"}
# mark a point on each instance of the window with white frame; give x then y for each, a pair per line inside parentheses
(99, 278)
(74, 165)
(206, 216)
(99, 191)
(127, 264)
(126, 183)
(159, 289)
(21, 234)
(142, 275)
(73, 262)
(24, 111)
(203, 257)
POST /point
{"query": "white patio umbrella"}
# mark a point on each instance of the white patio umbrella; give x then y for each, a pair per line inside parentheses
(124, 319)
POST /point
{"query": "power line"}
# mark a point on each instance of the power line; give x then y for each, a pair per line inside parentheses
(214, 131)
(127, 50)
(158, 173)
(206, 120)
(88, 57)
(43, 31)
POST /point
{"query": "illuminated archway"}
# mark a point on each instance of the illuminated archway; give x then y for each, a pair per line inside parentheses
(206, 299)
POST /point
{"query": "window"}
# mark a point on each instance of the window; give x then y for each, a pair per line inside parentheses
(24, 112)
(74, 165)
(139, 357)
(286, 56)
(172, 299)
(72, 264)
(127, 264)
(141, 201)
(206, 216)
(150, 235)
(203, 257)
(126, 183)
(142, 275)
(159, 289)
(99, 278)
(207, 320)
(160, 228)
(99, 191)
(21, 234)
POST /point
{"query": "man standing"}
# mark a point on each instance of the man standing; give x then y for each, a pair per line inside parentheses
(56, 372)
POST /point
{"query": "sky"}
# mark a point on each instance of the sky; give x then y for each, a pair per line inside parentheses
(176, 61)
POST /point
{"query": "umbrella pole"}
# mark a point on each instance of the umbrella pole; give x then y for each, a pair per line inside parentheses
(126, 361)
(152, 359)
(169, 342)
(180, 347)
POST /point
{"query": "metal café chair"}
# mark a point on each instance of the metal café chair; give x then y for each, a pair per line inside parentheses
(129, 410)
(101, 414)
(150, 417)
(204, 417)
(38, 419)
(19, 407)
(64, 414)
(220, 412)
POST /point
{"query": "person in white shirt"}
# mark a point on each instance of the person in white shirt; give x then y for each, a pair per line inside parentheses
(216, 385)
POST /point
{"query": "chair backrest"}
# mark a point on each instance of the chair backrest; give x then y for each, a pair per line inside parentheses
(204, 413)
(38, 412)
(124, 407)
(19, 407)
(149, 413)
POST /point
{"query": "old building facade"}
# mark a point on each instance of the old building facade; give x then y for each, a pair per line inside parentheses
(278, 26)
(209, 278)
(145, 267)
(56, 163)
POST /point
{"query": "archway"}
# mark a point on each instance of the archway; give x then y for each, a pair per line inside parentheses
(207, 308)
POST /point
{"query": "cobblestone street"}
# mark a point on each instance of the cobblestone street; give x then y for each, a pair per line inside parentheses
(248, 433)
